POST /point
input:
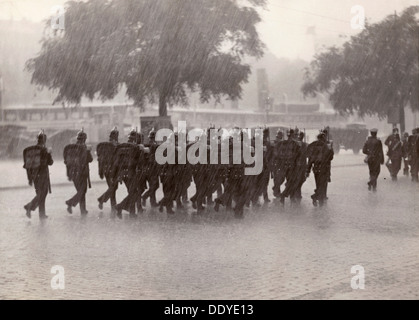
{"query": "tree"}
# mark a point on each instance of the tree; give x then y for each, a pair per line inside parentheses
(374, 71)
(159, 50)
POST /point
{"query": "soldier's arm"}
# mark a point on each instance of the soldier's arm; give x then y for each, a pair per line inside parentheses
(365, 148)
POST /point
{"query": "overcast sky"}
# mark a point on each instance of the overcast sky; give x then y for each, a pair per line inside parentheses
(284, 26)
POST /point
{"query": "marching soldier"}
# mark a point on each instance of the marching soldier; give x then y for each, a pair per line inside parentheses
(373, 148)
(152, 170)
(319, 158)
(125, 169)
(262, 180)
(105, 153)
(37, 158)
(395, 153)
(236, 187)
(288, 153)
(414, 154)
(77, 158)
(300, 168)
(168, 179)
(405, 149)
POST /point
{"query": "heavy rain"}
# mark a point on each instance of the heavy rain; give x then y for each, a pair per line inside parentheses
(209, 149)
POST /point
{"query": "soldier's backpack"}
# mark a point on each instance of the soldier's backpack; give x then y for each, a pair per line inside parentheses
(33, 161)
(125, 161)
(317, 152)
(287, 151)
(105, 153)
(75, 159)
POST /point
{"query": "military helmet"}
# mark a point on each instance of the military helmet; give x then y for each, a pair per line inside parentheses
(114, 134)
(152, 134)
(132, 135)
(279, 133)
(42, 137)
(81, 135)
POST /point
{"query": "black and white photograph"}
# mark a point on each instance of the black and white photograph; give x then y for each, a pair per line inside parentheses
(209, 150)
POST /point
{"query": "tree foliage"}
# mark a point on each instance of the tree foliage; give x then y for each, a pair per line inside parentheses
(158, 49)
(374, 71)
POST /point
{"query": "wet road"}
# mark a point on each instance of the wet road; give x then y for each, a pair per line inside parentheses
(273, 253)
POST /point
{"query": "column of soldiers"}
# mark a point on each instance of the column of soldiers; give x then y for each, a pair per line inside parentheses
(133, 163)
(400, 151)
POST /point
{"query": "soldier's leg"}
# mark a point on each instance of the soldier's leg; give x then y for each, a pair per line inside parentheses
(110, 193)
(42, 192)
(395, 167)
(82, 195)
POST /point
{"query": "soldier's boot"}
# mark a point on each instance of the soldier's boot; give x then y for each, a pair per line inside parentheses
(100, 203)
(43, 215)
(169, 209)
(217, 204)
(69, 207)
(238, 212)
(282, 199)
(144, 201)
(314, 199)
(153, 201)
(179, 204)
(28, 210)
(369, 185)
(118, 210)
(209, 200)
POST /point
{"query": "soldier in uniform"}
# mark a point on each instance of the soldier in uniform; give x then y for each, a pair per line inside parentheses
(319, 158)
(36, 161)
(152, 170)
(405, 150)
(127, 168)
(200, 177)
(300, 168)
(105, 153)
(77, 158)
(262, 179)
(168, 180)
(413, 142)
(373, 148)
(288, 153)
(395, 153)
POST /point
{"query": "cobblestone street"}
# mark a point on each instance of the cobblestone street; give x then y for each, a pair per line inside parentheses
(300, 252)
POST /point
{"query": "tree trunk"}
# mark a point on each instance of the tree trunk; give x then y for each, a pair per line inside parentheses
(162, 104)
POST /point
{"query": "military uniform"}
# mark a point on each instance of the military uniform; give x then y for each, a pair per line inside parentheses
(127, 168)
(300, 169)
(373, 148)
(105, 153)
(152, 170)
(319, 158)
(77, 158)
(395, 154)
(36, 161)
(413, 142)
